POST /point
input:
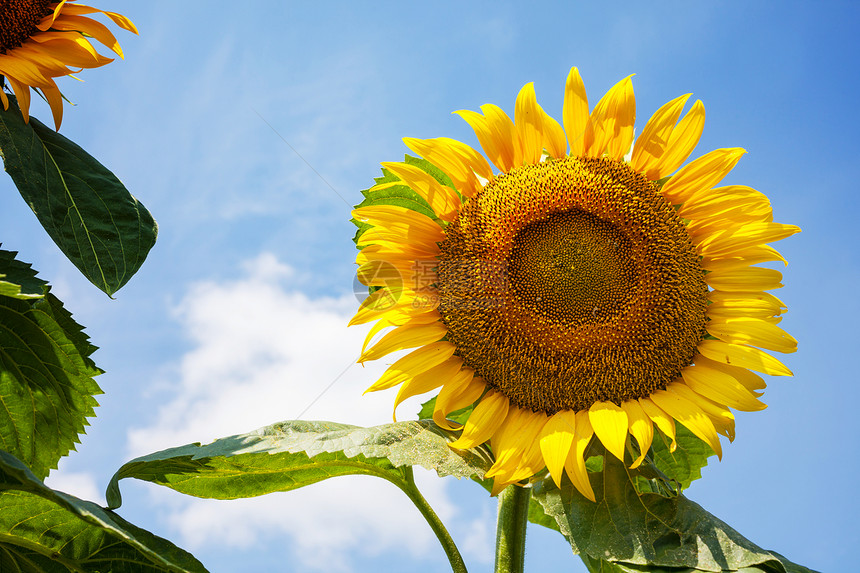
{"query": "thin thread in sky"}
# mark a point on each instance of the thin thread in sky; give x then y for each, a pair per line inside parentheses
(326, 389)
(302, 158)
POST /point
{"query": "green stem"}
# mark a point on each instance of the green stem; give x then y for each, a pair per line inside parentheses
(454, 557)
(511, 529)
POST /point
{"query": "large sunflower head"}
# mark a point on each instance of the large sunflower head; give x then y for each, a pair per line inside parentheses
(41, 40)
(582, 292)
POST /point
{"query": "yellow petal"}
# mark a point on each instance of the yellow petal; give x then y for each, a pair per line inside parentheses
(683, 140)
(527, 117)
(484, 421)
(556, 441)
(414, 363)
(721, 387)
(394, 301)
(689, 414)
(452, 397)
(744, 279)
(653, 143)
(752, 331)
(703, 173)
(610, 424)
(641, 428)
(751, 381)
(512, 442)
(612, 120)
(553, 136)
(743, 356)
(577, 123)
(427, 381)
(721, 417)
(575, 463)
(406, 336)
(442, 199)
(399, 320)
(711, 202)
(459, 161)
(734, 239)
(742, 258)
(661, 419)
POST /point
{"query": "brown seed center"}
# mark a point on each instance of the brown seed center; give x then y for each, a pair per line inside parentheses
(18, 19)
(571, 282)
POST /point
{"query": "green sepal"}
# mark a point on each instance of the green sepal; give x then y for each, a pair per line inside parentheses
(400, 195)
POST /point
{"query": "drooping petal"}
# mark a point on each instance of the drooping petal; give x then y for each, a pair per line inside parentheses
(721, 417)
(575, 464)
(641, 427)
(610, 424)
(453, 397)
(661, 419)
(556, 442)
(484, 421)
(689, 414)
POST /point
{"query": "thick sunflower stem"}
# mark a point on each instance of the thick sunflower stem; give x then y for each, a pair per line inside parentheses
(454, 557)
(511, 529)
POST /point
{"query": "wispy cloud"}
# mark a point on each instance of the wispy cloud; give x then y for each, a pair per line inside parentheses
(262, 352)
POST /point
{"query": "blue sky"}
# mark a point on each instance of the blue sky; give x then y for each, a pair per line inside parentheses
(237, 319)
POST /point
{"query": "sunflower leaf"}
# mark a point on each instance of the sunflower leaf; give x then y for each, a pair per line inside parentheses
(293, 454)
(18, 279)
(47, 531)
(46, 380)
(630, 531)
(86, 210)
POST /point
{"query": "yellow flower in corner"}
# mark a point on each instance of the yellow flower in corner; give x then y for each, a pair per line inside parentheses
(41, 40)
(579, 293)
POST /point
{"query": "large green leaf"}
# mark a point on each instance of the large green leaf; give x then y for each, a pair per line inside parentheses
(18, 279)
(46, 381)
(47, 531)
(293, 454)
(631, 529)
(86, 210)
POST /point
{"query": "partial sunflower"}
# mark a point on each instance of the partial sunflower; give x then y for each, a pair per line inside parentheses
(41, 40)
(580, 293)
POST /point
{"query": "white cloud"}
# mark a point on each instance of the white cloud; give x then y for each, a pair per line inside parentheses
(79, 484)
(262, 353)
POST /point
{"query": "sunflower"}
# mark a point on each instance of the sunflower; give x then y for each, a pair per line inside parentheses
(581, 293)
(41, 40)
